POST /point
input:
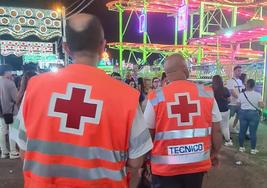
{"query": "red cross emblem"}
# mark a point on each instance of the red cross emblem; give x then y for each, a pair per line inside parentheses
(183, 109)
(75, 108)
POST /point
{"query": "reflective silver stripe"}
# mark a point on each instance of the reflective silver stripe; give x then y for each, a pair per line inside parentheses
(159, 97)
(57, 148)
(55, 170)
(181, 159)
(180, 134)
(204, 93)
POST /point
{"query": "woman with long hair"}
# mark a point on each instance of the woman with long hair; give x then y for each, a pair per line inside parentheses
(23, 85)
(251, 102)
(141, 88)
(222, 96)
(164, 80)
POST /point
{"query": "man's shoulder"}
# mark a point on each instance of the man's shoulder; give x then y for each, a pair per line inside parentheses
(256, 93)
(230, 81)
(6, 82)
(43, 77)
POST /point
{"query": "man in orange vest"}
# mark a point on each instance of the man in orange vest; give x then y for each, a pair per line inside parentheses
(184, 121)
(79, 127)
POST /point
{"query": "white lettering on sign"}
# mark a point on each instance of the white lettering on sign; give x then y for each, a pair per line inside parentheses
(186, 149)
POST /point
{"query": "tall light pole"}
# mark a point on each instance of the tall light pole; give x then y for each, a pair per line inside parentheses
(64, 40)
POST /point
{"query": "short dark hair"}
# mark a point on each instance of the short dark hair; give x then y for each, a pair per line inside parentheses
(155, 78)
(30, 67)
(237, 67)
(88, 39)
(115, 74)
(251, 83)
(163, 76)
(4, 69)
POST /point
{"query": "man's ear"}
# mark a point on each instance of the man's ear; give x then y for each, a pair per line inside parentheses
(186, 71)
(67, 49)
(102, 47)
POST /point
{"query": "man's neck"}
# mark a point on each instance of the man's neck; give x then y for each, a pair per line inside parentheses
(178, 78)
(86, 60)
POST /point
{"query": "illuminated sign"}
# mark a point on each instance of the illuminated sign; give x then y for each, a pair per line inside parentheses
(20, 48)
(142, 23)
(182, 18)
(24, 22)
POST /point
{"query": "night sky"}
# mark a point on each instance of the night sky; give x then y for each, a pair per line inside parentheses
(160, 27)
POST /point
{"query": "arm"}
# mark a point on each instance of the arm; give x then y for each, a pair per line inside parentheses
(150, 118)
(140, 141)
(135, 163)
(261, 104)
(21, 138)
(231, 88)
(216, 139)
(216, 136)
(233, 93)
(13, 91)
(21, 91)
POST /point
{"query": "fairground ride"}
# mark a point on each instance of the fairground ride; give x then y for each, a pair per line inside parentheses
(217, 33)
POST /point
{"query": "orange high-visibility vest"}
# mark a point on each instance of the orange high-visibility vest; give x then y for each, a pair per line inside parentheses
(182, 141)
(78, 124)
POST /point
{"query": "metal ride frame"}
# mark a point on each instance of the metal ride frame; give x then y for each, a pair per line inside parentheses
(209, 22)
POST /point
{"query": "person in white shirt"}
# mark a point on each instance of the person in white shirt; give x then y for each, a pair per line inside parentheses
(251, 102)
(235, 87)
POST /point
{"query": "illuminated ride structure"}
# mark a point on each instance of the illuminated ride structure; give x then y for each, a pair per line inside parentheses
(18, 24)
(217, 34)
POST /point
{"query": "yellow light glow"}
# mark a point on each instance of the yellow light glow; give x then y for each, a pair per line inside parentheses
(105, 55)
(59, 9)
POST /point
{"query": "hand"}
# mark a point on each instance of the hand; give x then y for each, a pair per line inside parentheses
(215, 161)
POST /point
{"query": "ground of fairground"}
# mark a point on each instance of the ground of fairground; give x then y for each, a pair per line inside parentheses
(251, 173)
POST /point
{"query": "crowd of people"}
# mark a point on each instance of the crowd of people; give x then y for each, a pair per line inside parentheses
(12, 89)
(75, 131)
(236, 99)
(240, 101)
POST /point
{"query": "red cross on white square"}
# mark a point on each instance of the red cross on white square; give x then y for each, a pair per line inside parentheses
(75, 108)
(184, 109)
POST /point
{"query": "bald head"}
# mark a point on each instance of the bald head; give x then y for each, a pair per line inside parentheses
(176, 68)
(84, 33)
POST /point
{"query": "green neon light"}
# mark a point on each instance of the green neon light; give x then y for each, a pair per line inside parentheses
(234, 17)
(201, 19)
(191, 25)
(36, 58)
(145, 34)
(263, 39)
(120, 38)
(185, 31)
(264, 93)
(176, 31)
